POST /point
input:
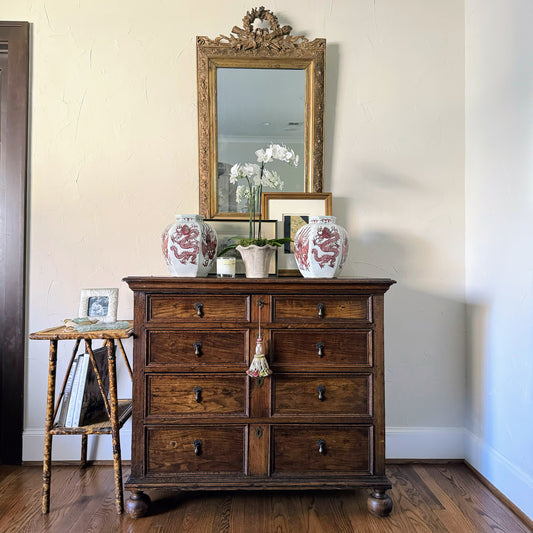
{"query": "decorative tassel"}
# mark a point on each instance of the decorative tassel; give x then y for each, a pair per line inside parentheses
(259, 367)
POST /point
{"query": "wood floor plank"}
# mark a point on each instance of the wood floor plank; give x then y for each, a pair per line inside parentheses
(451, 515)
(20, 500)
(99, 515)
(251, 512)
(166, 512)
(414, 501)
(329, 508)
(427, 499)
(289, 512)
(483, 510)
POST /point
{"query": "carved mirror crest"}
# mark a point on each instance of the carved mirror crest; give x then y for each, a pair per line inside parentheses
(257, 86)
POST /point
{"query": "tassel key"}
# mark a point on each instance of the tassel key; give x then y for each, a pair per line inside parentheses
(259, 367)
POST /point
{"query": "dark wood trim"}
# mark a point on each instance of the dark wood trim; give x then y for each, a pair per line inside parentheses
(504, 499)
(13, 240)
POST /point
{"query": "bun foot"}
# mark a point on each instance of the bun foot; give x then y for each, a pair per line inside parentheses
(138, 504)
(379, 503)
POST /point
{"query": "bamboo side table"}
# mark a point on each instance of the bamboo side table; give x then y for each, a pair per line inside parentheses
(117, 411)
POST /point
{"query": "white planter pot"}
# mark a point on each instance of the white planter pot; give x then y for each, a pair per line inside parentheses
(189, 246)
(256, 259)
(321, 248)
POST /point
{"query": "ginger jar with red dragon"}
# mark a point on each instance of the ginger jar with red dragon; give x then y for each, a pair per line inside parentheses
(189, 246)
(321, 248)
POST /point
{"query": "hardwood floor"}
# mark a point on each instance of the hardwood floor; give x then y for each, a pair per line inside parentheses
(427, 499)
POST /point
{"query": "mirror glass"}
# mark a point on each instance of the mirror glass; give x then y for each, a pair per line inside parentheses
(257, 107)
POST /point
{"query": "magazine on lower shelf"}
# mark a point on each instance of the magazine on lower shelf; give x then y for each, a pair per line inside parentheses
(92, 403)
(67, 392)
(84, 404)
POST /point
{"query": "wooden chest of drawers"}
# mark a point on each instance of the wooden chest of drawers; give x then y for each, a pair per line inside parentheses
(200, 423)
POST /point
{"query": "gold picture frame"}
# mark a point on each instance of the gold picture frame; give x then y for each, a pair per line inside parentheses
(291, 210)
(260, 48)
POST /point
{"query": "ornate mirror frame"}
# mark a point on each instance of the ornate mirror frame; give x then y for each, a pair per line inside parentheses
(260, 48)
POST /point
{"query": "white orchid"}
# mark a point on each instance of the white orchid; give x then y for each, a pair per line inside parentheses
(257, 177)
(243, 192)
(264, 155)
(279, 152)
(271, 179)
(238, 171)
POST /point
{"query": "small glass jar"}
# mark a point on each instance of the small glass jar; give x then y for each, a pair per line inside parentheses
(226, 267)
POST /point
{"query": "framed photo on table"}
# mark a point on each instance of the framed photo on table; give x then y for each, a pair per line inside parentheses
(292, 210)
(100, 304)
(228, 228)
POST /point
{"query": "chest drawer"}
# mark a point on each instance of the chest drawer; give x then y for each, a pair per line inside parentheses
(329, 394)
(197, 347)
(322, 347)
(196, 449)
(197, 395)
(327, 450)
(323, 309)
(198, 309)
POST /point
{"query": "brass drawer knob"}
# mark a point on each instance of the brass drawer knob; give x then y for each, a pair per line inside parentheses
(321, 308)
(197, 447)
(320, 349)
(197, 349)
(197, 394)
(321, 392)
(199, 308)
(321, 443)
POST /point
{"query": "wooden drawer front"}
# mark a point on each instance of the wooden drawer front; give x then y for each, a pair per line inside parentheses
(330, 394)
(197, 395)
(322, 347)
(321, 450)
(200, 308)
(196, 449)
(194, 347)
(322, 308)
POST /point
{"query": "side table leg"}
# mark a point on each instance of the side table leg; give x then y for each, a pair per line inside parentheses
(83, 451)
(117, 462)
(47, 456)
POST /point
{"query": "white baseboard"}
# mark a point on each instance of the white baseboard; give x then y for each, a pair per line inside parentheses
(68, 447)
(401, 443)
(509, 479)
(424, 443)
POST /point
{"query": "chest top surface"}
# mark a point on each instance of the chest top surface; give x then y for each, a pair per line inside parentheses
(267, 285)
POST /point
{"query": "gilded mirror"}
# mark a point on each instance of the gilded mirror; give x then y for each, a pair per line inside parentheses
(260, 85)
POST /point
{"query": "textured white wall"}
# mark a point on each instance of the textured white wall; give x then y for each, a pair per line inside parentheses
(499, 259)
(114, 156)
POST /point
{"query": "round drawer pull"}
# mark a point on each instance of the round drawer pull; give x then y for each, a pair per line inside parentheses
(321, 392)
(197, 348)
(320, 349)
(321, 308)
(199, 308)
(197, 394)
(321, 443)
(197, 447)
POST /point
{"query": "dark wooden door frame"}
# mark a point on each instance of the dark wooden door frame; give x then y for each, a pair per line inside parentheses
(14, 39)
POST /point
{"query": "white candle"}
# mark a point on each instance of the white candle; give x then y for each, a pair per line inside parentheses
(226, 267)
